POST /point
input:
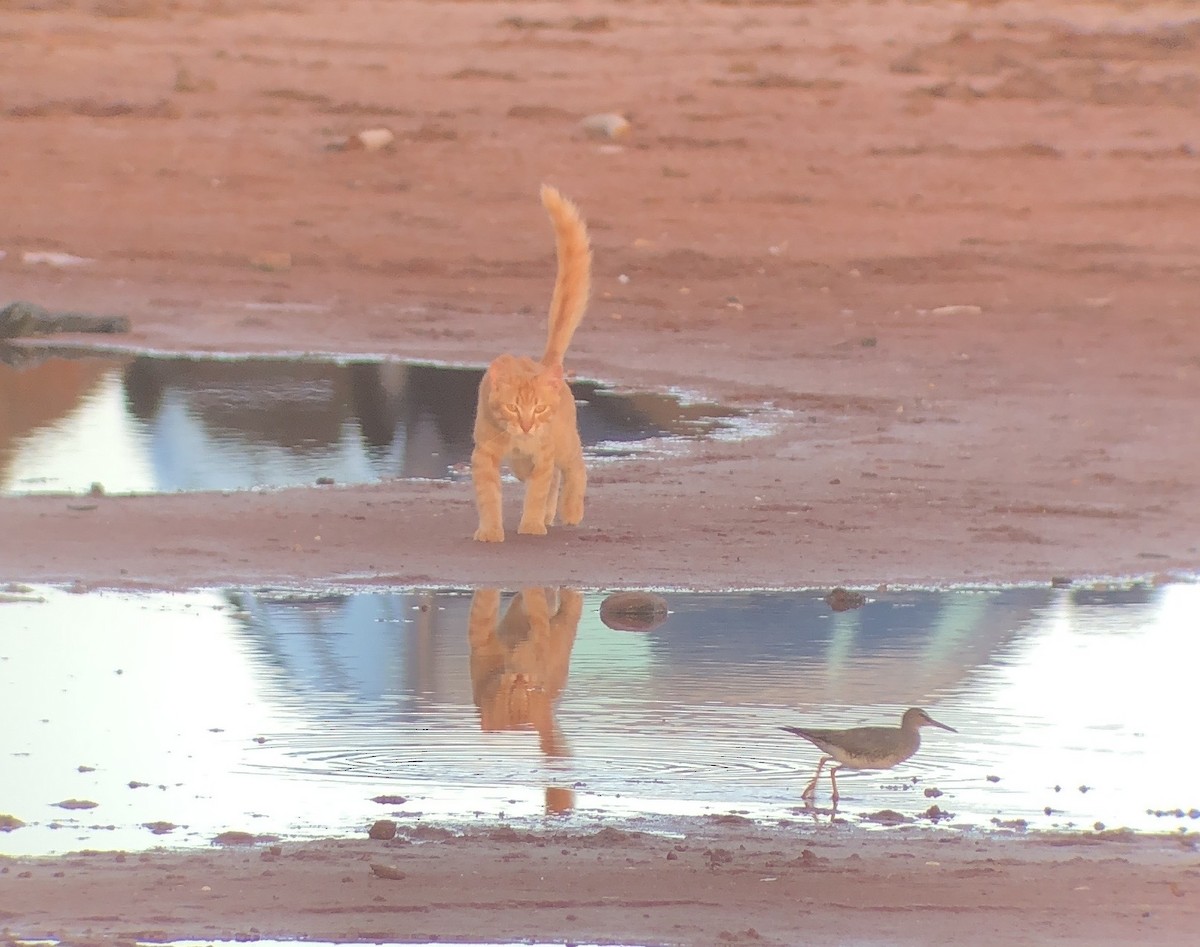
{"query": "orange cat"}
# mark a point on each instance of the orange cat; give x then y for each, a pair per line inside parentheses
(519, 661)
(526, 412)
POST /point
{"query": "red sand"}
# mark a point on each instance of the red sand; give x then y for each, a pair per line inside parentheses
(805, 186)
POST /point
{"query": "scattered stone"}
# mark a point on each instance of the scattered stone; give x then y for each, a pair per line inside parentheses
(137, 784)
(737, 937)
(325, 481)
(590, 24)
(390, 800)
(429, 833)
(1084, 788)
(842, 600)
(54, 258)
(160, 828)
(932, 792)
(936, 813)
(242, 838)
(887, 817)
(808, 859)
(185, 82)
(96, 489)
(952, 311)
(9, 823)
(671, 856)
(382, 829)
(1061, 582)
(610, 125)
(85, 769)
(993, 779)
(370, 139)
(389, 872)
(24, 318)
(272, 261)
(634, 611)
(76, 804)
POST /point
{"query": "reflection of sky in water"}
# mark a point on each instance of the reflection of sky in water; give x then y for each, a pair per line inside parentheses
(287, 713)
(98, 428)
(168, 424)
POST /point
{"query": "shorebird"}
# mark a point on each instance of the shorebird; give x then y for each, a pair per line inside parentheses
(866, 747)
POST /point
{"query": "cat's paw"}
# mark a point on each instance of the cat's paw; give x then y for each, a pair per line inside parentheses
(492, 534)
(572, 513)
(534, 528)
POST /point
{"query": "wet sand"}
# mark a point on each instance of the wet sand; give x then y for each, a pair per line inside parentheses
(952, 245)
(722, 883)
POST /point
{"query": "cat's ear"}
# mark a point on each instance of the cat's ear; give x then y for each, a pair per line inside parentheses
(499, 365)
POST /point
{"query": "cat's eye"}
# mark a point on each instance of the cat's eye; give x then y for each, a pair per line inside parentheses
(541, 409)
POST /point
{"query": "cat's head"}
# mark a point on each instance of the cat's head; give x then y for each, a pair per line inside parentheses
(523, 396)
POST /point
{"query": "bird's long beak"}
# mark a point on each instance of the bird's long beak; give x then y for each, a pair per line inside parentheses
(938, 723)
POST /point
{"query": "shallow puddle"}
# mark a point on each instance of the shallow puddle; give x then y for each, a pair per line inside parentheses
(143, 424)
(138, 720)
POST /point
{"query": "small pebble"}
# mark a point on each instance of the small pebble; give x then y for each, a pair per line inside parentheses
(956, 311)
(390, 872)
(382, 829)
(611, 125)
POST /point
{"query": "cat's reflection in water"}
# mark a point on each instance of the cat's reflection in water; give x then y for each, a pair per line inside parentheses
(519, 664)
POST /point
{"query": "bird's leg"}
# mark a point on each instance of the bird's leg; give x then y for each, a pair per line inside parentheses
(811, 788)
(833, 780)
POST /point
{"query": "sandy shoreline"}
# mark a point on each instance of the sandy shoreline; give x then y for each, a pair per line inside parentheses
(720, 882)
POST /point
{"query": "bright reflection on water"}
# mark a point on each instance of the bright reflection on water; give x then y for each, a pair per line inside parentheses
(157, 424)
(284, 713)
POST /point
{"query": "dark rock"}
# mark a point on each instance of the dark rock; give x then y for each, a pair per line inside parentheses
(633, 611)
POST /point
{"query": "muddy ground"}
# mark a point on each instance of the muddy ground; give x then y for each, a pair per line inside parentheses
(952, 246)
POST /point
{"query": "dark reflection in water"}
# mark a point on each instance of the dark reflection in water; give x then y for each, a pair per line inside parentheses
(209, 423)
(519, 664)
(398, 647)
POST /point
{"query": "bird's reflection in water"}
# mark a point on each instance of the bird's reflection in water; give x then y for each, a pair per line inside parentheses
(519, 663)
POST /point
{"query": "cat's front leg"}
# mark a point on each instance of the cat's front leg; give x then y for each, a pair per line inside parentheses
(485, 475)
(537, 611)
(483, 617)
(573, 489)
(552, 497)
(570, 608)
(537, 492)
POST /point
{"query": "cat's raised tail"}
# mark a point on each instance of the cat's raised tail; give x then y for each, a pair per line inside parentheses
(574, 279)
